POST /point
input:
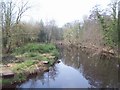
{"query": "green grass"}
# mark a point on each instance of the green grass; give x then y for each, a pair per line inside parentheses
(32, 53)
(17, 78)
(35, 47)
(24, 65)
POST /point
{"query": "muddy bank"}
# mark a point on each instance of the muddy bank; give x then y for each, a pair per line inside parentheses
(13, 85)
(92, 50)
(28, 76)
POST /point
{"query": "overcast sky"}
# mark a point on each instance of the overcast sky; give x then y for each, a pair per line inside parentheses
(62, 11)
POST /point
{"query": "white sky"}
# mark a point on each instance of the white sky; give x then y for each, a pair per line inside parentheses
(62, 11)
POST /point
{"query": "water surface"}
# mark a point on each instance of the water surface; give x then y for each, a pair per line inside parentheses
(77, 70)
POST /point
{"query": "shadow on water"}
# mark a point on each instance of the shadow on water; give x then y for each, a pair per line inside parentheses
(77, 70)
(99, 72)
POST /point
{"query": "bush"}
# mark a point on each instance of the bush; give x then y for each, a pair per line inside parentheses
(36, 52)
(24, 65)
(35, 47)
(55, 53)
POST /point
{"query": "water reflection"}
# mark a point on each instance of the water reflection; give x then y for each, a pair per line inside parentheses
(99, 72)
(76, 70)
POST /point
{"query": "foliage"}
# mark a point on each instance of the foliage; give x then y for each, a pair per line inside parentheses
(72, 32)
(42, 36)
(49, 32)
(35, 47)
(33, 53)
(109, 29)
(17, 78)
(11, 15)
(21, 66)
(99, 28)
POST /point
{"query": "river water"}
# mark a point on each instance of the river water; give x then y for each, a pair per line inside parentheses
(77, 70)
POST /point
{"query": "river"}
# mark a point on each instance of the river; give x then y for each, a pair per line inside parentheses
(77, 70)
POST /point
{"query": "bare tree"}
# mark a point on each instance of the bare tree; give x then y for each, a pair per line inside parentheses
(118, 27)
(11, 14)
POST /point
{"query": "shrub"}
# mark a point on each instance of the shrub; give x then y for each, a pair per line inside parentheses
(35, 47)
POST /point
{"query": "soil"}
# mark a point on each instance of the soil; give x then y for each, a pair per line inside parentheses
(92, 50)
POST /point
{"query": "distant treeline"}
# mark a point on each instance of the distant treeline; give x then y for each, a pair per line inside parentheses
(99, 28)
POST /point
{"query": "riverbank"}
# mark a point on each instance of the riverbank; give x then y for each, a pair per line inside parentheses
(93, 50)
(78, 71)
(25, 61)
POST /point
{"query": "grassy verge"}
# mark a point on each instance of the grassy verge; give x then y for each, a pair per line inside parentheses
(32, 55)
